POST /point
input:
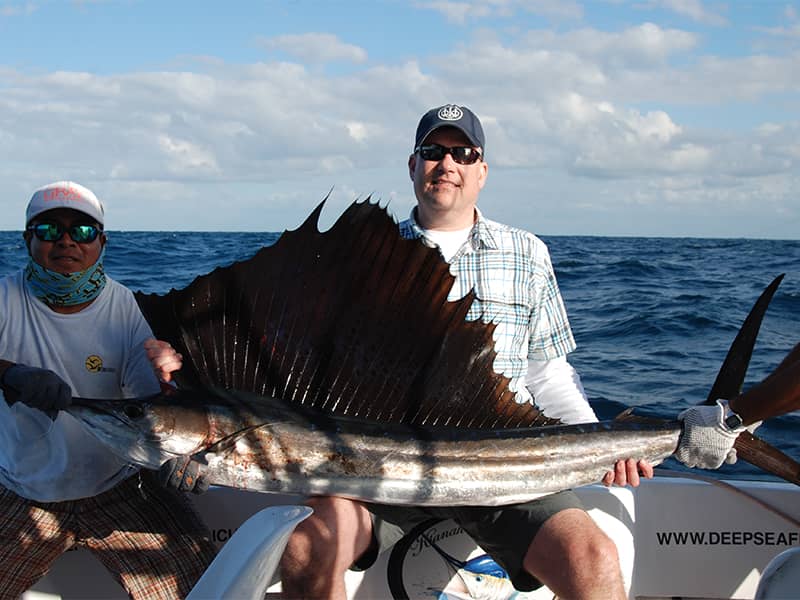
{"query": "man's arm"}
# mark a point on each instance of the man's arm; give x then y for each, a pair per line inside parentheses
(558, 392)
(777, 394)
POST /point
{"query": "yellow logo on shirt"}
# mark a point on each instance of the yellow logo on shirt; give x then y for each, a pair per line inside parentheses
(94, 364)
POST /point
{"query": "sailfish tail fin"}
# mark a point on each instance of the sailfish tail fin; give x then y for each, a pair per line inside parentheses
(730, 380)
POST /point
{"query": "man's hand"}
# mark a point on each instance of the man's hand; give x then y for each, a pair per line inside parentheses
(627, 472)
(183, 474)
(706, 441)
(38, 388)
(163, 358)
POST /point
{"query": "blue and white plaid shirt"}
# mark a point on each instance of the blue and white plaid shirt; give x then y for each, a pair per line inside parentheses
(515, 286)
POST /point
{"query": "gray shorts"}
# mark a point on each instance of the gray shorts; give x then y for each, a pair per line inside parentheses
(504, 532)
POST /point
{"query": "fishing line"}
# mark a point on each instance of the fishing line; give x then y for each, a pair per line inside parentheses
(731, 488)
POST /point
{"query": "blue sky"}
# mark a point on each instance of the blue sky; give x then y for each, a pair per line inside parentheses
(608, 117)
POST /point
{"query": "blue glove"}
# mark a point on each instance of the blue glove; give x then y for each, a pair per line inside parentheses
(38, 388)
(183, 474)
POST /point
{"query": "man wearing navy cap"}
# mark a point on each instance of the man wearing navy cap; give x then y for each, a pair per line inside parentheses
(551, 540)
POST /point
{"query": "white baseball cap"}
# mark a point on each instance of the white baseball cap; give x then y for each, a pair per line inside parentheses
(65, 194)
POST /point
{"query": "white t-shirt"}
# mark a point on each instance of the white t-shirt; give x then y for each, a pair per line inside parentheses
(99, 352)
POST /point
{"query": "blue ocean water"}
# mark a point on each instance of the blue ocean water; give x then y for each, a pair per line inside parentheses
(653, 317)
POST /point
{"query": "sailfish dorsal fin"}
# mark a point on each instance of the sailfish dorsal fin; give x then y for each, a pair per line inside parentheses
(353, 321)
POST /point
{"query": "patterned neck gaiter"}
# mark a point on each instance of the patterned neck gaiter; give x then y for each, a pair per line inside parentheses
(56, 289)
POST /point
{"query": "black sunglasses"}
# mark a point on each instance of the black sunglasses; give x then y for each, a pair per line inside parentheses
(463, 155)
(52, 232)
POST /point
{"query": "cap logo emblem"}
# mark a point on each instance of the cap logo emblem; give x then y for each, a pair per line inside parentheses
(67, 194)
(451, 112)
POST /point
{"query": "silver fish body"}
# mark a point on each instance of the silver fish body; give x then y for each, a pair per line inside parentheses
(262, 444)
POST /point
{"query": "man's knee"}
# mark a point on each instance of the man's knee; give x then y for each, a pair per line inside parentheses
(572, 542)
(305, 547)
(330, 539)
(596, 552)
(322, 548)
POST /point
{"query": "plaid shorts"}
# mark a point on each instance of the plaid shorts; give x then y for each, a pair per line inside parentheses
(149, 538)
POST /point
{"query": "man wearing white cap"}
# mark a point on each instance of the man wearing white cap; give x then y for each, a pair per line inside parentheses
(67, 329)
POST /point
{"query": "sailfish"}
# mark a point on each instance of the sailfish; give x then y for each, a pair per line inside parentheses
(334, 363)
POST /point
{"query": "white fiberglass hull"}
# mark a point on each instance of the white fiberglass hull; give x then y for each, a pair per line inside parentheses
(677, 537)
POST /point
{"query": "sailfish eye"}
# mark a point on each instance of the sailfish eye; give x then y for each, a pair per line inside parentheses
(133, 411)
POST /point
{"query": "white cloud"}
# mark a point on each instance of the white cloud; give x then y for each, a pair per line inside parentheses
(18, 9)
(631, 66)
(595, 119)
(790, 32)
(183, 157)
(258, 121)
(316, 48)
(463, 11)
(457, 12)
(639, 47)
(357, 131)
(694, 9)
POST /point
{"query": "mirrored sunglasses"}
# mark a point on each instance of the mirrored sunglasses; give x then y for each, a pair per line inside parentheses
(463, 155)
(52, 232)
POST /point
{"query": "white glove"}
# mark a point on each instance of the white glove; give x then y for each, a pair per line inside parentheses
(706, 441)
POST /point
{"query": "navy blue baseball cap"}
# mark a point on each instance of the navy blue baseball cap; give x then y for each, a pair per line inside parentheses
(451, 115)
